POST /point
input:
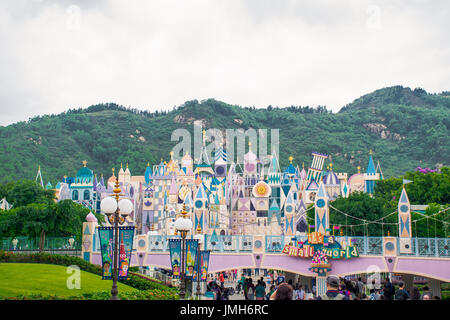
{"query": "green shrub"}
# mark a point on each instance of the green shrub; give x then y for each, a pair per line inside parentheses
(140, 283)
(154, 294)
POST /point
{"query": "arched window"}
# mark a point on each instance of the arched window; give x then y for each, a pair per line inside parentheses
(302, 226)
(86, 195)
(75, 195)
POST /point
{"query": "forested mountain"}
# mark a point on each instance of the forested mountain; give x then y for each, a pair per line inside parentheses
(405, 128)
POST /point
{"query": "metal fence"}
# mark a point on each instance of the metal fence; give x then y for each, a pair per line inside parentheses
(231, 243)
(57, 245)
(373, 246)
(428, 247)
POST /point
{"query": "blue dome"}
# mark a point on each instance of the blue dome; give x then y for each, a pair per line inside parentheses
(290, 169)
(85, 173)
(331, 178)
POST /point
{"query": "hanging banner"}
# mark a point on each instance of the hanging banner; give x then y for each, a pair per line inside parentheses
(175, 256)
(191, 257)
(204, 263)
(202, 266)
(105, 234)
(126, 236)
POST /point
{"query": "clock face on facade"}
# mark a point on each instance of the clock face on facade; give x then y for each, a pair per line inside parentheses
(404, 208)
(289, 208)
(262, 189)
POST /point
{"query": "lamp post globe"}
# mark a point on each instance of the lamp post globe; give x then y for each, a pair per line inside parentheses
(125, 207)
(183, 224)
(108, 205)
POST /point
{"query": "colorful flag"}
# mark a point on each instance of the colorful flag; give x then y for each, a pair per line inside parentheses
(175, 256)
(405, 181)
(126, 236)
(191, 257)
(106, 236)
(202, 265)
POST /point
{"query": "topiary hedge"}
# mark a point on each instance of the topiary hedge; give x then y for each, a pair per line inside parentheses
(154, 294)
(134, 281)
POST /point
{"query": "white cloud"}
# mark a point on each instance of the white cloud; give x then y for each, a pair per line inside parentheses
(157, 54)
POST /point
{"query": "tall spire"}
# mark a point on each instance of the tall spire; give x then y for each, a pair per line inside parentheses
(204, 159)
(371, 166)
(39, 175)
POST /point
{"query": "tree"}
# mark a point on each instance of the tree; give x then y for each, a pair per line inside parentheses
(425, 188)
(24, 192)
(363, 206)
(64, 218)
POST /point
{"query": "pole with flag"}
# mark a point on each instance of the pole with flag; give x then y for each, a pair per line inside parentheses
(405, 181)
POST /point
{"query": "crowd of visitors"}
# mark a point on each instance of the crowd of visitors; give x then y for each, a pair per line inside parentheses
(273, 286)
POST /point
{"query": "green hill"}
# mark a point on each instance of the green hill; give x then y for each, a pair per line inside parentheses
(405, 128)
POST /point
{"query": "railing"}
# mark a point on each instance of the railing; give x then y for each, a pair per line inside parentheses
(372, 246)
(159, 242)
(274, 244)
(59, 245)
(428, 247)
(232, 243)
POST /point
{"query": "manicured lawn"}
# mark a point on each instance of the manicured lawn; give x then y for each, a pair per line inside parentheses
(46, 279)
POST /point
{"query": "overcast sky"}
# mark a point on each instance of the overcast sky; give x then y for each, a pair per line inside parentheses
(56, 55)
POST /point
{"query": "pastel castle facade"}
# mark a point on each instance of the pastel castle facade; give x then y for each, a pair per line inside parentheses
(222, 197)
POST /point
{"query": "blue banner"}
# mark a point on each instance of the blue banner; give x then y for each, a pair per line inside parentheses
(191, 257)
(106, 236)
(175, 256)
(126, 236)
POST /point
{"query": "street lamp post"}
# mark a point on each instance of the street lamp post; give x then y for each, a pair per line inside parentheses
(182, 226)
(116, 211)
(199, 237)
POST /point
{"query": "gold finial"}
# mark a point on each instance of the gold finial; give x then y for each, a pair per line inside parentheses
(148, 164)
(171, 155)
(121, 167)
(199, 229)
(331, 166)
(359, 169)
(65, 177)
(183, 211)
(303, 165)
(249, 145)
(291, 158)
(84, 162)
(342, 232)
(370, 151)
(113, 171)
(153, 227)
(39, 167)
(389, 233)
(127, 165)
